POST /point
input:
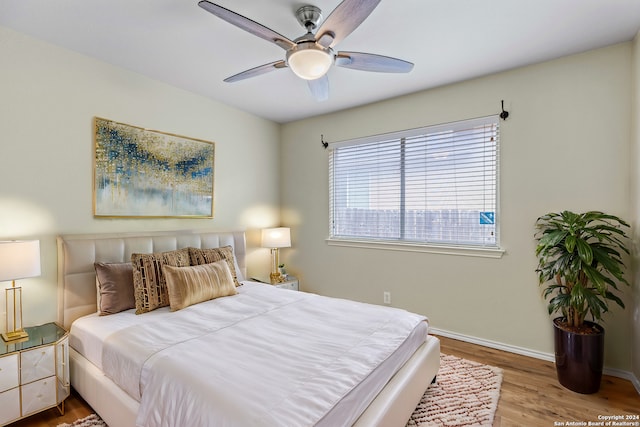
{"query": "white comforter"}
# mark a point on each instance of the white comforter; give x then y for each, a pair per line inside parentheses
(264, 357)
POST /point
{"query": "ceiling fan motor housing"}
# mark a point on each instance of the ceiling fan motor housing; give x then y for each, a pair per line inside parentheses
(309, 17)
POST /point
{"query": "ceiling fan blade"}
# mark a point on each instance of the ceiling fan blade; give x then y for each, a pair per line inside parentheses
(343, 20)
(319, 88)
(370, 62)
(262, 69)
(247, 24)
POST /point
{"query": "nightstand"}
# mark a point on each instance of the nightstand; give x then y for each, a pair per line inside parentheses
(34, 373)
(291, 283)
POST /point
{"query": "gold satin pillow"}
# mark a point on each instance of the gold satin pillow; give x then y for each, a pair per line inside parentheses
(198, 283)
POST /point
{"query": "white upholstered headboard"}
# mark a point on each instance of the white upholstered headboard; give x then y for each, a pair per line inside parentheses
(76, 254)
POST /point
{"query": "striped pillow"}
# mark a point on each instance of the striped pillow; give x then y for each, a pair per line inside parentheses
(148, 280)
(206, 256)
(198, 283)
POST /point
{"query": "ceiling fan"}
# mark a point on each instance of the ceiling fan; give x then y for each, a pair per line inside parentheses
(311, 55)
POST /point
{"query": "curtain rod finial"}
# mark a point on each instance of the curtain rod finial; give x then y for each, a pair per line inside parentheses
(504, 113)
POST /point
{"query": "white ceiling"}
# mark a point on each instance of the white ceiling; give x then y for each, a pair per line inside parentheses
(177, 42)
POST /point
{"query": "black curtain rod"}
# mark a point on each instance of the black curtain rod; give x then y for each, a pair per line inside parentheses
(503, 115)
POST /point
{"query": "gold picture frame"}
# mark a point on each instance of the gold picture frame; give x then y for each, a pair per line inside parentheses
(146, 173)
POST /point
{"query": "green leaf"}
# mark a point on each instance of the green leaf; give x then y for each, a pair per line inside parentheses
(584, 251)
(570, 243)
(614, 298)
(552, 238)
(596, 278)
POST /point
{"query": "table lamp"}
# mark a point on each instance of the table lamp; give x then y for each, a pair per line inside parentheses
(18, 260)
(276, 238)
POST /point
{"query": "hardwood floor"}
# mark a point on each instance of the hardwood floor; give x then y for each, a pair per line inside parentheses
(530, 394)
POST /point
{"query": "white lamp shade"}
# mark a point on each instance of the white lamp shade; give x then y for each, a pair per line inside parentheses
(19, 259)
(276, 237)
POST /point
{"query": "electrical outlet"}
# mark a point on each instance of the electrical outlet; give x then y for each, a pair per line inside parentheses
(386, 297)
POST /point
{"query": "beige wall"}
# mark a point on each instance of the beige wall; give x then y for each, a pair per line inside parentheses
(49, 97)
(635, 197)
(566, 145)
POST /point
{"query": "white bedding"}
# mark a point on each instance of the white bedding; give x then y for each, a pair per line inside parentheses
(279, 358)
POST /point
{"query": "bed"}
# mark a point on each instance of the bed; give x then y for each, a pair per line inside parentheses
(377, 382)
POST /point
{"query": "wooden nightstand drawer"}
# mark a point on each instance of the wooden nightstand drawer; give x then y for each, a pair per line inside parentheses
(38, 395)
(37, 364)
(8, 372)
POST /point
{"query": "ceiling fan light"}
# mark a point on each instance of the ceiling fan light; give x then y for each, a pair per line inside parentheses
(309, 62)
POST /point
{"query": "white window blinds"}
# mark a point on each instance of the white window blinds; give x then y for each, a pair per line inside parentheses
(436, 185)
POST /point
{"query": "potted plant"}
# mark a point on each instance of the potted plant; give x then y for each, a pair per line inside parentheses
(580, 263)
(282, 271)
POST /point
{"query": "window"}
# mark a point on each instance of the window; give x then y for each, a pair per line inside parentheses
(431, 186)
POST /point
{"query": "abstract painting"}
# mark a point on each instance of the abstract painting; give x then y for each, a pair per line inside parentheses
(147, 173)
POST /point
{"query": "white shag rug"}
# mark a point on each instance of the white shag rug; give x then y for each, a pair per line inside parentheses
(91, 421)
(466, 394)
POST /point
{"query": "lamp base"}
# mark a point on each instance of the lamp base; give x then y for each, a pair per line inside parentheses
(15, 336)
(276, 278)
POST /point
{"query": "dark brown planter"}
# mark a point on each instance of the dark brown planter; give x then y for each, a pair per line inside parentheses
(579, 358)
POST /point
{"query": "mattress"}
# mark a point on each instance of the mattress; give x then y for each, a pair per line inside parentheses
(281, 357)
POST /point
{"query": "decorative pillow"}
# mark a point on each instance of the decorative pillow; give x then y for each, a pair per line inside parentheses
(115, 287)
(198, 283)
(207, 256)
(149, 282)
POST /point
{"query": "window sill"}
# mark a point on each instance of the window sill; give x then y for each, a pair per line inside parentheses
(416, 247)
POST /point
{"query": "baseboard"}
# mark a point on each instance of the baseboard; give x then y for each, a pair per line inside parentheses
(549, 357)
(623, 374)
